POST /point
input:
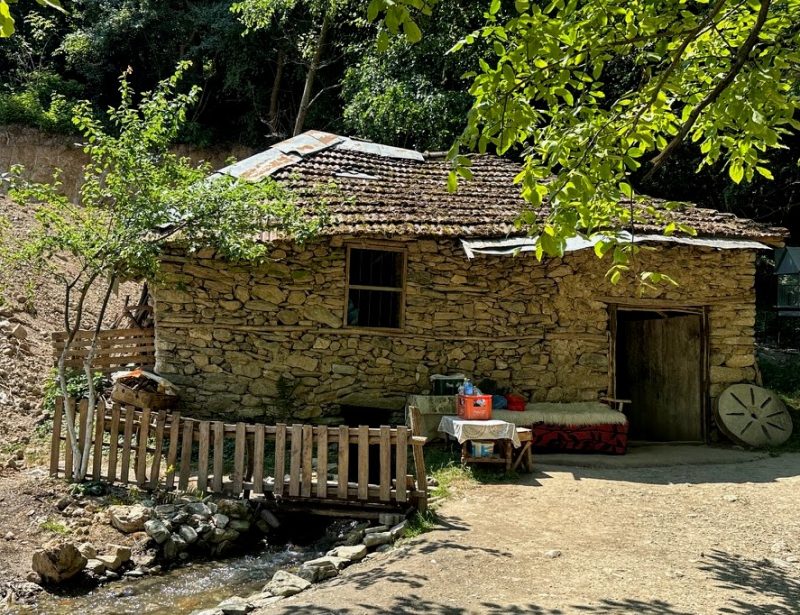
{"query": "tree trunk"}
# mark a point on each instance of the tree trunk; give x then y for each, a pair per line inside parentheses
(272, 120)
(92, 393)
(305, 101)
(69, 403)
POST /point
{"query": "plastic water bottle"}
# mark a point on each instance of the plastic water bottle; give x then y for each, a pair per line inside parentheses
(468, 388)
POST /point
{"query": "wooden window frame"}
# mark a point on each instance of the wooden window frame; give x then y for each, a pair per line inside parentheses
(385, 247)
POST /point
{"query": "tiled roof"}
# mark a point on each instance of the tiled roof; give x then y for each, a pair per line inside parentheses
(376, 190)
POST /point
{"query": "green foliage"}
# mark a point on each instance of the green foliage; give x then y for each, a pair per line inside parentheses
(56, 527)
(46, 102)
(414, 95)
(7, 21)
(697, 78)
(77, 387)
(398, 17)
(137, 195)
(421, 523)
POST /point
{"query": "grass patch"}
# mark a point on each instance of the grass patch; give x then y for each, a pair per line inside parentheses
(54, 526)
(420, 523)
(443, 463)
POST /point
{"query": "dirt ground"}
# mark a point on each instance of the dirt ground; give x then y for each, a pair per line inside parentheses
(678, 539)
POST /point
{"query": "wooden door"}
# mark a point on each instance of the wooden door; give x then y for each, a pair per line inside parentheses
(659, 368)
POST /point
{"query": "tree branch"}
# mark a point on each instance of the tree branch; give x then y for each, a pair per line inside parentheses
(735, 69)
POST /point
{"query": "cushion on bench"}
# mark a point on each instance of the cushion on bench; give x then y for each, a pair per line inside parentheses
(579, 414)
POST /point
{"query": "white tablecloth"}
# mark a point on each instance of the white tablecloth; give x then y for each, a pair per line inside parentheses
(463, 430)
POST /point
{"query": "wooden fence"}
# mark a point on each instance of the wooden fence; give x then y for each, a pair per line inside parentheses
(152, 449)
(116, 348)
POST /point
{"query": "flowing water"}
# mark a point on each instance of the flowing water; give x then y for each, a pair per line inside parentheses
(198, 585)
(181, 590)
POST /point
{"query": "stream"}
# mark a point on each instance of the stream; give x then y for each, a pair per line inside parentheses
(179, 591)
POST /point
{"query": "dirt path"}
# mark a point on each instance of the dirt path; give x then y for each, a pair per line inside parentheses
(665, 540)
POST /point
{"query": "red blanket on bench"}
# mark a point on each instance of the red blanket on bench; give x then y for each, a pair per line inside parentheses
(605, 438)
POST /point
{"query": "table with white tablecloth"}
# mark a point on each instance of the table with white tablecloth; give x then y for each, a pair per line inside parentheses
(505, 435)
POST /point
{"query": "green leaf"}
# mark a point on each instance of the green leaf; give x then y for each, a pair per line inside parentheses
(383, 41)
(765, 172)
(373, 9)
(412, 31)
(452, 181)
(736, 171)
(494, 7)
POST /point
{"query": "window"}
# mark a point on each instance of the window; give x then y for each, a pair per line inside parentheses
(375, 287)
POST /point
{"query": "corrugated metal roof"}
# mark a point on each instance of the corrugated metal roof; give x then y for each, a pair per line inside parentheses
(516, 245)
(292, 151)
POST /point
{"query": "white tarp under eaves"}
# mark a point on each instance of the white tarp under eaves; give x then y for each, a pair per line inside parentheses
(515, 245)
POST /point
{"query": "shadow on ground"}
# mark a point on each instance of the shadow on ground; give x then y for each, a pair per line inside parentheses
(759, 586)
(413, 603)
(760, 580)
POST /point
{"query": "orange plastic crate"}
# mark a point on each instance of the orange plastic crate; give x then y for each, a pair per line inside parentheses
(474, 407)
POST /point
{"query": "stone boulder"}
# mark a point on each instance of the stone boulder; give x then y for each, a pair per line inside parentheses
(57, 562)
(286, 584)
(157, 530)
(235, 606)
(353, 553)
(129, 519)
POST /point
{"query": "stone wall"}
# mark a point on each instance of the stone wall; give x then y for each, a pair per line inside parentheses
(227, 333)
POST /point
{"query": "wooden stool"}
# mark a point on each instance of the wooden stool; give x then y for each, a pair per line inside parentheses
(524, 455)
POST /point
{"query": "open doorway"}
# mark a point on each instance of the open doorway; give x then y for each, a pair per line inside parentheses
(660, 365)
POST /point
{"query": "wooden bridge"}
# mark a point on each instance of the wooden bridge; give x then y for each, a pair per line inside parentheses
(330, 469)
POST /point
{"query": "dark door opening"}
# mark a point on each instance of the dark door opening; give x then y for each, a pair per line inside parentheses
(659, 366)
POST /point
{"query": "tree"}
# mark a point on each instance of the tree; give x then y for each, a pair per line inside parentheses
(414, 95)
(722, 74)
(138, 198)
(262, 14)
(7, 21)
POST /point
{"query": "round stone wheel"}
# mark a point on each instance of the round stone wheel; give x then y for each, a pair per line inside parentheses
(753, 416)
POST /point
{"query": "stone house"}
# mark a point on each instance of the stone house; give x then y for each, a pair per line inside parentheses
(408, 280)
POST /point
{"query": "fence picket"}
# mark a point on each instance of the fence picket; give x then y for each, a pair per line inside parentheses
(322, 462)
(219, 454)
(155, 469)
(401, 463)
(141, 451)
(258, 460)
(280, 458)
(55, 442)
(113, 443)
(202, 456)
(127, 443)
(307, 461)
(238, 459)
(386, 463)
(363, 462)
(99, 425)
(294, 463)
(343, 470)
(186, 454)
(69, 451)
(172, 454)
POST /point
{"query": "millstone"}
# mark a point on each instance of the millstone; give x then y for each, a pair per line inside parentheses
(753, 416)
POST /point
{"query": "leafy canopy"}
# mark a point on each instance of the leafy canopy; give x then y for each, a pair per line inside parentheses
(138, 196)
(7, 21)
(719, 73)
